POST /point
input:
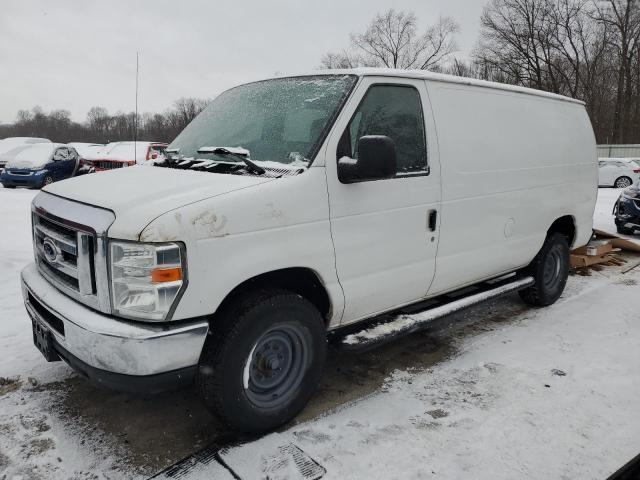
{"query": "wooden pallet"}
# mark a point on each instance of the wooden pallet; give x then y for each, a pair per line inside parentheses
(581, 264)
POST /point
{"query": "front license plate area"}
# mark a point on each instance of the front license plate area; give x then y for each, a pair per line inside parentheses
(43, 339)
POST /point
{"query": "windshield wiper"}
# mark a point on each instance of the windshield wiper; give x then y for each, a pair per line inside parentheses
(234, 153)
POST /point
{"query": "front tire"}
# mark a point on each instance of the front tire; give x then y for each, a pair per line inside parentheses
(550, 269)
(48, 180)
(262, 360)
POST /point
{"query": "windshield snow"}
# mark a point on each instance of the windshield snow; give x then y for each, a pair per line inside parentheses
(30, 156)
(281, 120)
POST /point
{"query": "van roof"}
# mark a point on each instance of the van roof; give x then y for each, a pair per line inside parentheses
(437, 77)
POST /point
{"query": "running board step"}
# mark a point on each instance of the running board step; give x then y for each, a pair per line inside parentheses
(402, 324)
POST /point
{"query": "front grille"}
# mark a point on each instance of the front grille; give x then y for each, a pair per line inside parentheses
(16, 172)
(70, 246)
(65, 254)
(110, 164)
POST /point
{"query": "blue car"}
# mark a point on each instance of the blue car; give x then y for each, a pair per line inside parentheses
(37, 165)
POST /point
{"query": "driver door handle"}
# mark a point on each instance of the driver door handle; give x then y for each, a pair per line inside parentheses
(432, 220)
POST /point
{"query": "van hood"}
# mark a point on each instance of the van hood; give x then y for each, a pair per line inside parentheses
(139, 194)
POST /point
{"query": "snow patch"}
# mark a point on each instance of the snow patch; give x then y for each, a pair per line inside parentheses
(407, 322)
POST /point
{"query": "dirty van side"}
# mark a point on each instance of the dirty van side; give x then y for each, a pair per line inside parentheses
(296, 207)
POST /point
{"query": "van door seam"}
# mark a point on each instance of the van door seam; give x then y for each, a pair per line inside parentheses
(333, 245)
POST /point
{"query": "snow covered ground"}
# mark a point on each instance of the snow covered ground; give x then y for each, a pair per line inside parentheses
(518, 393)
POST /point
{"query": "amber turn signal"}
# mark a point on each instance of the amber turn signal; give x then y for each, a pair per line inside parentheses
(163, 275)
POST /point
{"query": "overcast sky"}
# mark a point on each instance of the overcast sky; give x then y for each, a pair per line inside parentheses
(74, 54)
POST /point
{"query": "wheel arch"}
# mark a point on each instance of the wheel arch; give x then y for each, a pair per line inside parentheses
(301, 280)
(565, 225)
(622, 176)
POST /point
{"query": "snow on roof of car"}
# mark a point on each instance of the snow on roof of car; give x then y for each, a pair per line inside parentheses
(26, 140)
(125, 150)
(30, 156)
(88, 151)
(619, 159)
(435, 77)
(12, 142)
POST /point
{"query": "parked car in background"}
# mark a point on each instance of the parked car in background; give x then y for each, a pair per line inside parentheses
(627, 210)
(618, 172)
(126, 154)
(88, 152)
(10, 143)
(37, 165)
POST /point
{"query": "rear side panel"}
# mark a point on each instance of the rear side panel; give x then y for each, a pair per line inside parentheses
(511, 164)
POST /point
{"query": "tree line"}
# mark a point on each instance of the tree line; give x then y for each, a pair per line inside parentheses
(102, 127)
(585, 49)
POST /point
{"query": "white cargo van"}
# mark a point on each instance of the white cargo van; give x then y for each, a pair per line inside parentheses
(297, 207)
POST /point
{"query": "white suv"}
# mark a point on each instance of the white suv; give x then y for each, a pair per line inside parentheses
(296, 210)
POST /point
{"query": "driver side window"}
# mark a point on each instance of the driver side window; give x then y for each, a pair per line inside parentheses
(61, 154)
(396, 112)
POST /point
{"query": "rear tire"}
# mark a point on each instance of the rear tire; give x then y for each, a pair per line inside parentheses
(623, 182)
(262, 360)
(550, 270)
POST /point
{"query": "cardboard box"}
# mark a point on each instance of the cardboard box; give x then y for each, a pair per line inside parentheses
(595, 248)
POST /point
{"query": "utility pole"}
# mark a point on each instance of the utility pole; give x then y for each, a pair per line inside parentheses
(135, 120)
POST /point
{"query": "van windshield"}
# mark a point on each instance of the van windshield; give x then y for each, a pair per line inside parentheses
(282, 120)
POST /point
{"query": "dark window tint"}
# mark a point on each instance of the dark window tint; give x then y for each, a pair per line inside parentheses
(61, 154)
(394, 111)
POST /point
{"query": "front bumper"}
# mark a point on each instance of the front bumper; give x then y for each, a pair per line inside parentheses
(27, 179)
(119, 354)
(627, 212)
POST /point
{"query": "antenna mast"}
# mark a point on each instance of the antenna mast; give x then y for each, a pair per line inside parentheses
(135, 120)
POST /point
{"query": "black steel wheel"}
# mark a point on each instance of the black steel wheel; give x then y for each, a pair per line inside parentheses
(262, 360)
(276, 366)
(550, 269)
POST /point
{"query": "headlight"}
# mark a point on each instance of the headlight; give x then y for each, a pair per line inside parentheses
(146, 279)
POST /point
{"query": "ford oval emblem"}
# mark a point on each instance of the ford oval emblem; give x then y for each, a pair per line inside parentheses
(50, 250)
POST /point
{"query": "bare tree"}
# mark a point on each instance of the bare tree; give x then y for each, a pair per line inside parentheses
(343, 59)
(392, 40)
(516, 39)
(188, 108)
(102, 127)
(622, 17)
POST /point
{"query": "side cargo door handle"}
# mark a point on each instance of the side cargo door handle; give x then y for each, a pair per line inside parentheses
(432, 220)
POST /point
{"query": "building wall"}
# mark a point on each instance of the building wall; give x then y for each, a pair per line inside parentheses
(619, 151)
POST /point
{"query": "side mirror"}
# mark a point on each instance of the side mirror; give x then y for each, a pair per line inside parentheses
(376, 160)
